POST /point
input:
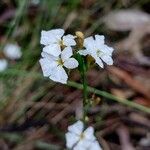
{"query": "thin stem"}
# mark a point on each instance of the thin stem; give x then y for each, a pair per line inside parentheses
(14, 72)
(84, 85)
(85, 94)
(112, 97)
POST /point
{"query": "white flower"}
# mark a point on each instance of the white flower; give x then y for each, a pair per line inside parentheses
(12, 51)
(79, 139)
(54, 40)
(3, 64)
(53, 67)
(98, 50)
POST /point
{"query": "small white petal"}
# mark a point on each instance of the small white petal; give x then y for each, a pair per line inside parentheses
(71, 139)
(12, 51)
(47, 38)
(95, 146)
(107, 59)
(99, 39)
(106, 49)
(53, 49)
(89, 134)
(51, 36)
(98, 61)
(48, 56)
(83, 143)
(71, 63)
(59, 75)
(89, 43)
(59, 32)
(79, 147)
(47, 66)
(84, 52)
(3, 64)
(68, 40)
(76, 128)
(66, 53)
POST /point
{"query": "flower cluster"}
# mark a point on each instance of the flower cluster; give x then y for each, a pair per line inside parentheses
(80, 139)
(62, 52)
(58, 52)
(98, 50)
(12, 52)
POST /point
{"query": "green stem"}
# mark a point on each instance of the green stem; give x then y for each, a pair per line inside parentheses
(85, 93)
(14, 72)
(110, 96)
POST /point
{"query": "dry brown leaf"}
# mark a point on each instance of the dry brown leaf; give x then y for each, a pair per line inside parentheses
(129, 80)
(124, 138)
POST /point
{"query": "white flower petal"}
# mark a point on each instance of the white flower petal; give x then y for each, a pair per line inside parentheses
(53, 49)
(51, 36)
(47, 38)
(89, 134)
(68, 40)
(79, 147)
(3, 64)
(48, 56)
(99, 62)
(99, 39)
(95, 146)
(89, 43)
(59, 75)
(84, 52)
(66, 53)
(59, 32)
(83, 143)
(76, 128)
(107, 59)
(12, 51)
(106, 49)
(71, 139)
(47, 66)
(71, 63)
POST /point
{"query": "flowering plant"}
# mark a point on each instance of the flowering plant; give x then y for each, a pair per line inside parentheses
(64, 52)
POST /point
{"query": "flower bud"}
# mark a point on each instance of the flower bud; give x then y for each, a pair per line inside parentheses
(79, 39)
(95, 100)
(86, 118)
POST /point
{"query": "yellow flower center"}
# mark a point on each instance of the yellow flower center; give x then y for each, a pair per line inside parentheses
(82, 136)
(98, 52)
(61, 43)
(60, 62)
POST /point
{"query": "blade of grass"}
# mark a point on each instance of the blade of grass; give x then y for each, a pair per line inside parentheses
(14, 24)
(13, 72)
(111, 97)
